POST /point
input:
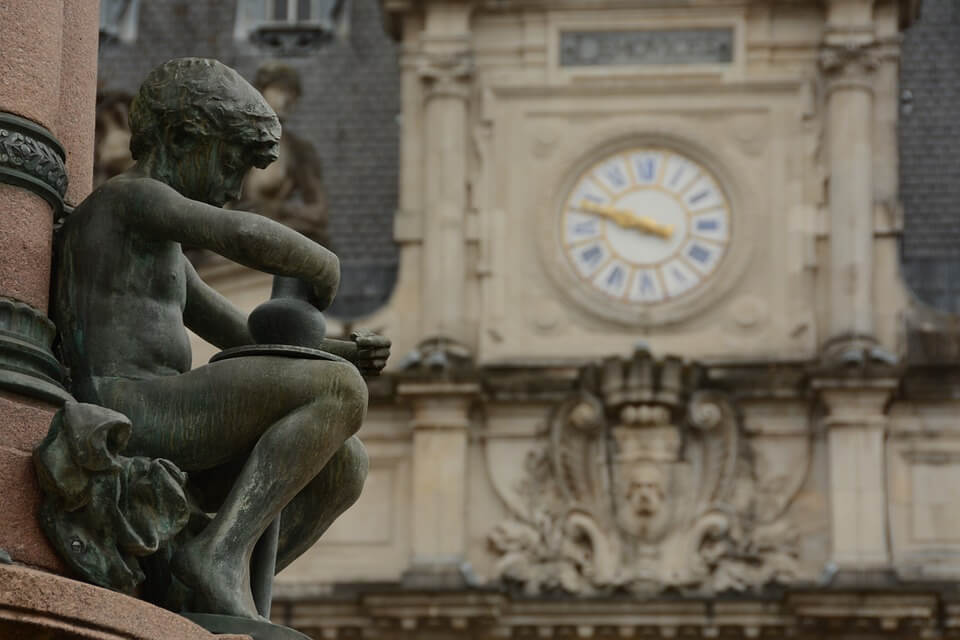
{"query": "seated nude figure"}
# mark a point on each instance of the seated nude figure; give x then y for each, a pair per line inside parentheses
(279, 430)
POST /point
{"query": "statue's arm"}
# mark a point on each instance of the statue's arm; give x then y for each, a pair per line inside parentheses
(250, 239)
(211, 316)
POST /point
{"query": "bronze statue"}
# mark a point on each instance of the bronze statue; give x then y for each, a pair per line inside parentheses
(258, 436)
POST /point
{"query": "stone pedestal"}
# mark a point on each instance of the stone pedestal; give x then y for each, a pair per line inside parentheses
(36, 605)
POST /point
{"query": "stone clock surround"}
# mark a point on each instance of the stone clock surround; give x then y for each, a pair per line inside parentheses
(556, 265)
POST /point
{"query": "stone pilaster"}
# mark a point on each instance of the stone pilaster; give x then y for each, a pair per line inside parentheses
(440, 425)
(856, 427)
(848, 69)
(445, 68)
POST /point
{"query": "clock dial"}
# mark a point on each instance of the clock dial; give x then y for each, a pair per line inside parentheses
(645, 226)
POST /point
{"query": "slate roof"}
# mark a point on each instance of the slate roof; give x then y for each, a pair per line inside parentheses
(930, 154)
(349, 110)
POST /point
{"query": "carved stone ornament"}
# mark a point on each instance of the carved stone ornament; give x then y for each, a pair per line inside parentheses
(446, 74)
(850, 65)
(645, 484)
(31, 157)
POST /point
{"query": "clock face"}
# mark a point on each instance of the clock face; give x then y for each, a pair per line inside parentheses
(645, 226)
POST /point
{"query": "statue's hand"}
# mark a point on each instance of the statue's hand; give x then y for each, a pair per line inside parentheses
(372, 351)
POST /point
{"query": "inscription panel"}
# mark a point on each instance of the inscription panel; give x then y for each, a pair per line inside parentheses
(648, 47)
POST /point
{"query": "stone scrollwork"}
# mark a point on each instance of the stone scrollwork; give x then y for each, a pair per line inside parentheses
(31, 157)
(646, 483)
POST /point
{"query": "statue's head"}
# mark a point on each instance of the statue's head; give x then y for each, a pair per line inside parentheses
(280, 85)
(201, 126)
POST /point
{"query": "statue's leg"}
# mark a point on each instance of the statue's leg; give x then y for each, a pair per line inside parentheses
(290, 415)
(322, 501)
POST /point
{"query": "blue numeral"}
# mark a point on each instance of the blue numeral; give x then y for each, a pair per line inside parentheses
(708, 225)
(646, 284)
(592, 255)
(593, 198)
(615, 277)
(615, 176)
(700, 196)
(678, 275)
(646, 168)
(585, 228)
(699, 253)
(677, 175)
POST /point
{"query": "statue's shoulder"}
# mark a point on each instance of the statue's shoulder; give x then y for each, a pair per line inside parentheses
(134, 188)
(123, 196)
(120, 205)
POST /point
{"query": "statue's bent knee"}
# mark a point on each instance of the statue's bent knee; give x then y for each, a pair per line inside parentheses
(351, 391)
(356, 463)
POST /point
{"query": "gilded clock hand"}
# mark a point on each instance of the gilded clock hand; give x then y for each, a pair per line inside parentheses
(627, 219)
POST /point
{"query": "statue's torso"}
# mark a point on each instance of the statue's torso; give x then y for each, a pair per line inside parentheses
(120, 295)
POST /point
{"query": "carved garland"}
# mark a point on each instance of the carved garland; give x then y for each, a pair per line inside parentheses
(32, 158)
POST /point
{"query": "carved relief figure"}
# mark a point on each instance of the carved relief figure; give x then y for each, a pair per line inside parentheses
(257, 436)
(646, 483)
(111, 148)
(289, 190)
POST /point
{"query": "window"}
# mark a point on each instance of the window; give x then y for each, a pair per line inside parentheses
(290, 27)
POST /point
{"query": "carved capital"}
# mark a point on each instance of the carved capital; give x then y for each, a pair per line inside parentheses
(849, 66)
(446, 74)
(32, 158)
(27, 366)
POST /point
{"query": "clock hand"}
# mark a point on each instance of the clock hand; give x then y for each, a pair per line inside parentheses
(627, 219)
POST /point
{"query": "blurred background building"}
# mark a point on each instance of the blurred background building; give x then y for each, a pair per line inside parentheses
(672, 291)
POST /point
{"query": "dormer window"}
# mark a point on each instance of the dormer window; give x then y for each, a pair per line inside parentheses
(118, 20)
(289, 27)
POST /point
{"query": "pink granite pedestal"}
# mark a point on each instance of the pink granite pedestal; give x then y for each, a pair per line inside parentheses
(48, 69)
(37, 605)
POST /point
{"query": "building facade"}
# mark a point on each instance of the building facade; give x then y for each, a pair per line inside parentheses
(656, 371)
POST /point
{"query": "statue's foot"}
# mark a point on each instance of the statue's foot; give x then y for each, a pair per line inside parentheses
(217, 581)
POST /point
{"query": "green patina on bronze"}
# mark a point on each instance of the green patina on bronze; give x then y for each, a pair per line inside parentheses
(258, 437)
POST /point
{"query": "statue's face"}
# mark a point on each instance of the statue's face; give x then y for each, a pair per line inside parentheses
(212, 172)
(642, 510)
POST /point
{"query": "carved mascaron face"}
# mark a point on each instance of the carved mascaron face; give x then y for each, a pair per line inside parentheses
(642, 479)
(645, 226)
(642, 510)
